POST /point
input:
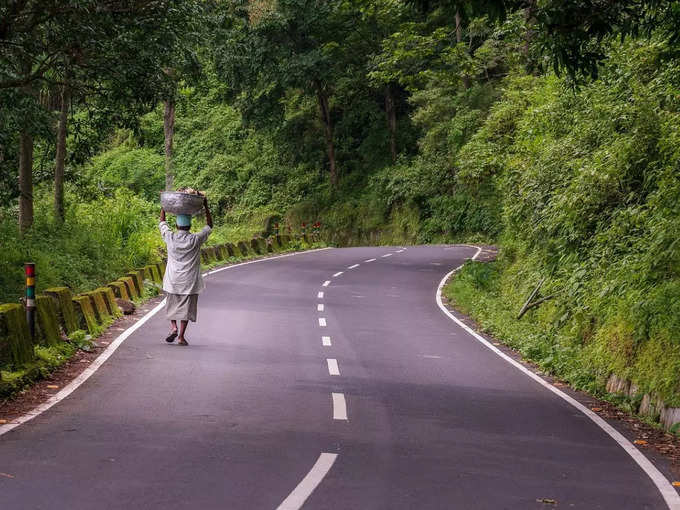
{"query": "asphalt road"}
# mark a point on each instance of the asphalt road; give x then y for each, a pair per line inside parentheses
(237, 420)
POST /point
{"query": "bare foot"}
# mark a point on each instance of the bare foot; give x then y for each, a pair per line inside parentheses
(182, 341)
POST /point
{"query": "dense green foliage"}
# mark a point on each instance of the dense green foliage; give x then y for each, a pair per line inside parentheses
(535, 125)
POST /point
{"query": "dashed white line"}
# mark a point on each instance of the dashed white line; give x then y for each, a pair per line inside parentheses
(333, 367)
(320, 295)
(326, 283)
(326, 341)
(337, 274)
(399, 251)
(339, 406)
(387, 255)
(353, 266)
(369, 260)
(297, 498)
(319, 307)
(322, 322)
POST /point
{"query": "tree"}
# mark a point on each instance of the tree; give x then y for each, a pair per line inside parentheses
(269, 51)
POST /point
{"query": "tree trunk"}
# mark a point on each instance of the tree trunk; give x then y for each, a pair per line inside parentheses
(529, 21)
(391, 114)
(25, 181)
(61, 156)
(459, 39)
(169, 128)
(324, 109)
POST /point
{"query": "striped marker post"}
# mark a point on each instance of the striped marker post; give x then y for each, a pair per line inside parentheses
(29, 268)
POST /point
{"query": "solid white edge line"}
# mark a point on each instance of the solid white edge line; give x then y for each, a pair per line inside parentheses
(369, 260)
(353, 266)
(337, 274)
(326, 283)
(333, 368)
(667, 491)
(311, 481)
(322, 322)
(326, 341)
(339, 406)
(320, 295)
(319, 307)
(106, 354)
(387, 255)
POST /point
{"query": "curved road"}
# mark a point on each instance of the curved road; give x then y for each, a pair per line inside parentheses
(410, 411)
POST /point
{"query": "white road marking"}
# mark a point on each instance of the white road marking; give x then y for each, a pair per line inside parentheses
(319, 470)
(322, 322)
(353, 266)
(326, 283)
(387, 255)
(333, 367)
(337, 274)
(94, 366)
(369, 260)
(339, 406)
(399, 251)
(320, 295)
(319, 307)
(326, 341)
(431, 356)
(667, 491)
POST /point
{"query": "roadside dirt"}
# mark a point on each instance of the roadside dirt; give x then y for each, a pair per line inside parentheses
(42, 390)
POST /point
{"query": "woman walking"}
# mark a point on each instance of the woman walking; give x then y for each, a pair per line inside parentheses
(183, 282)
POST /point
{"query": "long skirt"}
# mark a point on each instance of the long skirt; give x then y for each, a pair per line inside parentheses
(181, 307)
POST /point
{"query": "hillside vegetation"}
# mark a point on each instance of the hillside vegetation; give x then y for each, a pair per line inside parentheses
(397, 123)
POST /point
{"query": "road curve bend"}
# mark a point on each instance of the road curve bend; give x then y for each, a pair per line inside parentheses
(323, 380)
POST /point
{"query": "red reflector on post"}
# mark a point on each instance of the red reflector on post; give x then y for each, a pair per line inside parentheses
(30, 268)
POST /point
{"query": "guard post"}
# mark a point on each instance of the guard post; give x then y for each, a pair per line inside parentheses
(29, 269)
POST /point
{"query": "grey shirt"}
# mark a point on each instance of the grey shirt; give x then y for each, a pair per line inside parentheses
(183, 272)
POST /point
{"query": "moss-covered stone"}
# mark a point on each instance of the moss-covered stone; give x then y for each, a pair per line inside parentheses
(99, 306)
(63, 299)
(204, 256)
(212, 254)
(270, 245)
(110, 299)
(243, 248)
(231, 250)
(131, 287)
(161, 271)
(156, 274)
(221, 252)
(16, 346)
(86, 314)
(163, 265)
(137, 280)
(255, 246)
(120, 290)
(47, 322)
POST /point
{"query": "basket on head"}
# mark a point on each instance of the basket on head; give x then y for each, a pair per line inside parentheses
(177, 202)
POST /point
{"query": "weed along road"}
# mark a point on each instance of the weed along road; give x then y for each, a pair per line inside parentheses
(327, 379)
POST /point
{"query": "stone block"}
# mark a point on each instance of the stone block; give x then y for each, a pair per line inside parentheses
(231, 250)
(119, 290)
(616, 384)
(87, 319)
(243, 248)
(131, 287)
(110, 299)
(138, 280)
(670, 416)
(47, 329)
(651, 406)
(63, 299)
(16, 345)
(99, 306)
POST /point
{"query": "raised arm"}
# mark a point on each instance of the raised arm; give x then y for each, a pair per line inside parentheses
(208, 217)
